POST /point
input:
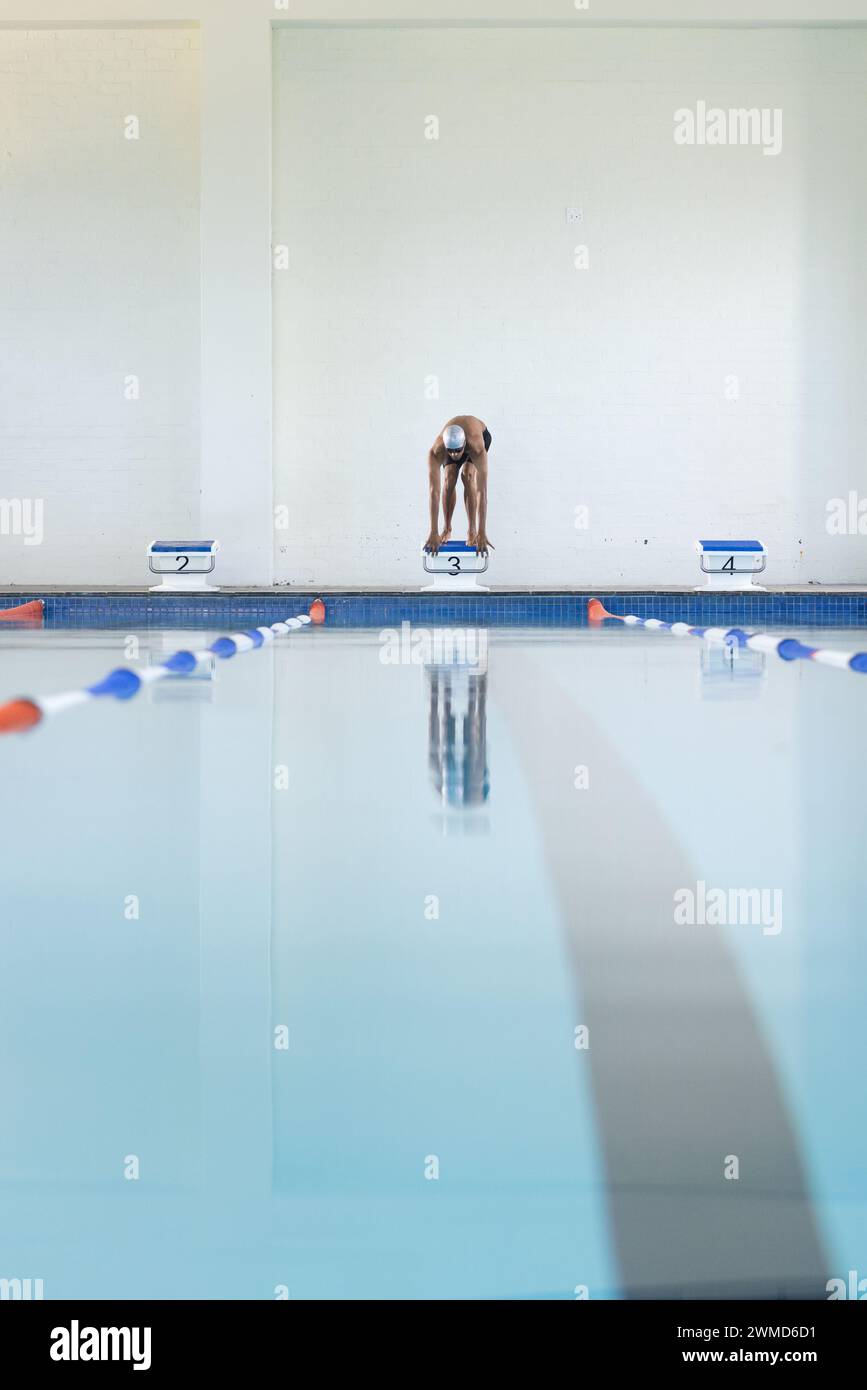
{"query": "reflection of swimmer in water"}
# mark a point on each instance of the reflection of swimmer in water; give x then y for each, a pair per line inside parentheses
(457, 736)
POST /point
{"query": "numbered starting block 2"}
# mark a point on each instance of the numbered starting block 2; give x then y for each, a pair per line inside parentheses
(455, 569)
(730, 565)
(183, 565)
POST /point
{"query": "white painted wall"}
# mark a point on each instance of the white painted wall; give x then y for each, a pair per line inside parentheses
(99, 247)
(59, 329)
(413, 258)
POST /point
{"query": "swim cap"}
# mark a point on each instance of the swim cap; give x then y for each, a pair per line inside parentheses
(454, 437)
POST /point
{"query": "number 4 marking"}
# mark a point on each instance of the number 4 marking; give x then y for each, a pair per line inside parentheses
(729, 565)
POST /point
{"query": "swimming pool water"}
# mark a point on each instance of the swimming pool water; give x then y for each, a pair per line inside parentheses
(293, 955)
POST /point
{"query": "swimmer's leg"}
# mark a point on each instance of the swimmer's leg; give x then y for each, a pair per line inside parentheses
(450, 485)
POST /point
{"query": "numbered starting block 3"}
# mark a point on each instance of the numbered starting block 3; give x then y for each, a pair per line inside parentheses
(730, 565)
(183, 565)
(455, 569)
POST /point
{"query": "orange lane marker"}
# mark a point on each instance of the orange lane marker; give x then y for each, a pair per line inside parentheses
(596, 611)
(25, 612)
(18, 715)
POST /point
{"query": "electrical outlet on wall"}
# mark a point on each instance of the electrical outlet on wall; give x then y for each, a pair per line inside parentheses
(574, 215)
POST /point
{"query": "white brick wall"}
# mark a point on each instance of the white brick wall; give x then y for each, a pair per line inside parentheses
(99, 248)
(603, 387)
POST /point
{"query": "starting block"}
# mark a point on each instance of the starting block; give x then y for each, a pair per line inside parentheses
(455, 568)
(182, 564)
(730, 565)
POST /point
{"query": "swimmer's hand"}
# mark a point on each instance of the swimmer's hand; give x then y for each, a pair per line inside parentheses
(482, 544)
(433, 542)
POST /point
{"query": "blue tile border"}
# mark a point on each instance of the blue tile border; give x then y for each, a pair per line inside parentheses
(229, 612)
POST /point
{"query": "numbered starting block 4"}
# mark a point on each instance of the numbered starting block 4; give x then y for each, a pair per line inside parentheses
(455, 569)
(183, 565)
(730, 565)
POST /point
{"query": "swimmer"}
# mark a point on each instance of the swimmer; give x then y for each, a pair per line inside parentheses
(462, 448)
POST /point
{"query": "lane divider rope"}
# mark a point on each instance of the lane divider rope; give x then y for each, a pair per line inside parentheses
(789, 648)
(126, 681)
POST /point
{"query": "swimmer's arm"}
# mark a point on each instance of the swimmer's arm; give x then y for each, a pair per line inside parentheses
(480, 469)
(433, 473)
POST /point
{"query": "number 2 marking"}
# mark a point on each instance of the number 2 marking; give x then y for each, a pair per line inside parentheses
(183, 561)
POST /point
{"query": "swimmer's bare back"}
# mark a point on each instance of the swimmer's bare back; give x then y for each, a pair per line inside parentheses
(471, 440)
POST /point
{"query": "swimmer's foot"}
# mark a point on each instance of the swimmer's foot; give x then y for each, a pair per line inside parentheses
(446, 536)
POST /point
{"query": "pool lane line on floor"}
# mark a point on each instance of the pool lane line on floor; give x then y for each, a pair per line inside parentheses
(18, 715)
(789, 648)
(680, 1059)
